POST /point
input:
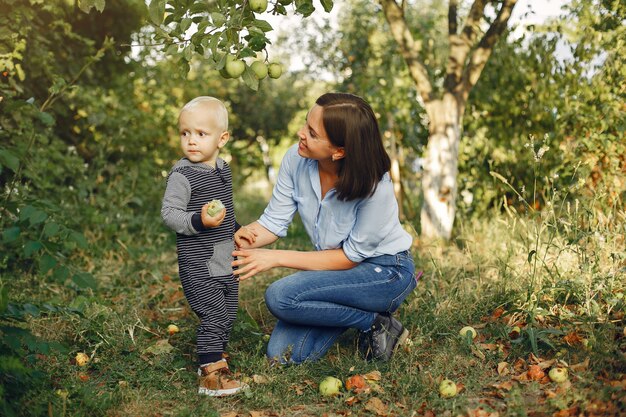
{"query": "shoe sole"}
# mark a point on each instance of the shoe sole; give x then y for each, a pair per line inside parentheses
(219, 392)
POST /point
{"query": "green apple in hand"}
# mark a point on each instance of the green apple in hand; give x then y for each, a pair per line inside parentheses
(214, 207)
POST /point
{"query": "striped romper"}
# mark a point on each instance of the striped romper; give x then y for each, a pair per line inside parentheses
(204, 254)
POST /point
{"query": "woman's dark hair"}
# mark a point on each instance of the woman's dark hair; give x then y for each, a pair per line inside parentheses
(350, 123)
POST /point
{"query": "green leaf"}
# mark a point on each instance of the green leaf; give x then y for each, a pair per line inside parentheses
(9, 160)
(51, 229)
(263, 25)
(60, 274)
(46, 118)
(250, 79)
(218, 19)
(37, 217)
(100, 5)
(188, 52)
(530, 255)
(26, 212)
(46, 263)
(161, 347)
(31, 247)
(85, 280)
(4, 299)
(327, 5)
(156, 10)
(185, 24)
(202, 26)
(79, 239)
(11, 234)
(31, 309)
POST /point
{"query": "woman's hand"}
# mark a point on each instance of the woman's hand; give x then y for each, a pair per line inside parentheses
(252, 261)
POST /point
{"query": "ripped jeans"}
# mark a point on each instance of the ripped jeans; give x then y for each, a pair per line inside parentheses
(314, 308)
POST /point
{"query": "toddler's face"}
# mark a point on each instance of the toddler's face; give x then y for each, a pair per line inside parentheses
(201, 134)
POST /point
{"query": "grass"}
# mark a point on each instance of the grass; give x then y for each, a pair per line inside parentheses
(556, 275)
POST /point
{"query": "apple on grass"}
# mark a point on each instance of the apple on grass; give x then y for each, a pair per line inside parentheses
(81, 359)
(330, 386)
(558, 375)
(464, 330)
(447, 388)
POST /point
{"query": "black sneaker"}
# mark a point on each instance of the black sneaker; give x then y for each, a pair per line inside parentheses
(381, 340)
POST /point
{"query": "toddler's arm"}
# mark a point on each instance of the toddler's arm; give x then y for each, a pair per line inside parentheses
(174, 209)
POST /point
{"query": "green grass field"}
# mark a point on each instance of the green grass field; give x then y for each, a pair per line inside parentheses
(557, 276)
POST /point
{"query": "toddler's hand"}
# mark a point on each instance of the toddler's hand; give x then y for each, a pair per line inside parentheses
(212, 221)
(245, 237)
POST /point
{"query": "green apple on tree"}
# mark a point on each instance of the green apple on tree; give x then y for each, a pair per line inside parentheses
(258, 6)
(234, 67)
(274, 70)
(260, 69)
(330, 386)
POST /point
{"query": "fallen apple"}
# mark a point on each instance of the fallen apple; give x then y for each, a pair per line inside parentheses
(214, 207)
(172, 329)
(447, 388)
(330, 386)
(558, 375)
(464, 330)
(81, 359)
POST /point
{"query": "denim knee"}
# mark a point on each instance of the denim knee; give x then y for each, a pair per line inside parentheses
(276, 300)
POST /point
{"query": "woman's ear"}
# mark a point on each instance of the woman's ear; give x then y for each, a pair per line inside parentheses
(339, 153)
(223, 139)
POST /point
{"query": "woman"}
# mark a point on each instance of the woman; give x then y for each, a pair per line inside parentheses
(337, 179)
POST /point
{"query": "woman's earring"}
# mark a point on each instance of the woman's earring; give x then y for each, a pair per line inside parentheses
(333, 158)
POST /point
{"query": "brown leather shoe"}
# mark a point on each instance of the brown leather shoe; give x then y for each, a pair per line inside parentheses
(215, 380)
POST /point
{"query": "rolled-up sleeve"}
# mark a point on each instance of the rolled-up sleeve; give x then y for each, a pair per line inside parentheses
(280, 211)
(174, 209)
(373, 224)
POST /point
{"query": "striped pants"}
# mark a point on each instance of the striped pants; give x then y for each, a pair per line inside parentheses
(215, 301)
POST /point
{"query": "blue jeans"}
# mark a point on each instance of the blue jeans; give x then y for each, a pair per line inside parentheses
(314, 308)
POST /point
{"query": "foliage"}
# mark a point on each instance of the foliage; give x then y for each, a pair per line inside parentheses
(218, 30)
(560, 100)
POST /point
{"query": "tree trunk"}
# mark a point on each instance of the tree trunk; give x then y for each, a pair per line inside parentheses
(439, 186)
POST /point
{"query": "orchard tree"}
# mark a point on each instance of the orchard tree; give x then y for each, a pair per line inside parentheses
(226, 32)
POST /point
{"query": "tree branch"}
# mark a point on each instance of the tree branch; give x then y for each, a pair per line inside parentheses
(480, 55)
(408, 47)
(461, 44)
(452, 17)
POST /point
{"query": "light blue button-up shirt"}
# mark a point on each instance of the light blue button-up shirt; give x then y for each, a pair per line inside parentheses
(363, 228)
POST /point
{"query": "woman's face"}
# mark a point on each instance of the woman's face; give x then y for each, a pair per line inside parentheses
(314, 142)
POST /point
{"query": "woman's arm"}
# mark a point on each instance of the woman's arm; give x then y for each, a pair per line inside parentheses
(253, 261)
